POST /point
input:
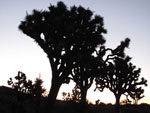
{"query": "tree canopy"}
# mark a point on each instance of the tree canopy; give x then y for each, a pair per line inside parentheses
(22, 85)
(119, 75)
(67, 35)
(70, 37)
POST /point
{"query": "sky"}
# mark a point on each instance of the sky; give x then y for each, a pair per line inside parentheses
(122, 19)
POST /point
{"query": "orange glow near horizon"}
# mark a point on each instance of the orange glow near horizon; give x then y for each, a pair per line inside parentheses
(105, 97)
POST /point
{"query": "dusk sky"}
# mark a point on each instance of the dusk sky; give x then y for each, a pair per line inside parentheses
(122, 19)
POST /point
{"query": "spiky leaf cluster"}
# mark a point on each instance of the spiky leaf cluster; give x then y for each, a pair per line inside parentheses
(67, 36)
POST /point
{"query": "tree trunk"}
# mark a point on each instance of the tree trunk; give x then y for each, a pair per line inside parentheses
(83, 95)
(83, 98)
(55, 86)
(117, 108)
(38, 101)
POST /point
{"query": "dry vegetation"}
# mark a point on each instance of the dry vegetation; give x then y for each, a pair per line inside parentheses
(8, 103)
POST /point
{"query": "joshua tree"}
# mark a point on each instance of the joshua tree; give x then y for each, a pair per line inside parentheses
(75, 96)
(27, 88)
(83, 75)
(65, 35)
(38, 92)
(22, 85)
(120, 76)
(137, 95)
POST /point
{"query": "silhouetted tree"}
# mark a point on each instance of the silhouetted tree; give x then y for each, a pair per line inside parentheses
(83, 76)
(24, 87)
(75, 96)
(137, 95)
(38, 90)
(67, 36)
(97, 102)
(120, 76)
(126, 100)
(66, 96)
(21, 85)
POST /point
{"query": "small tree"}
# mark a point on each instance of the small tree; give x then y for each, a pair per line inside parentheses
(38, 89)
(24, 86)
(38, 92)
(66, 96)
(83, 76)
(137, 95)
(21, 84)
(65, 35)
(97, 102)
(75, 96)
(126, 100)
(120, 76)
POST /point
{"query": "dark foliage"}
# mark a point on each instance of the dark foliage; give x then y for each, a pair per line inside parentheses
(69, 107)
(22, 85)
(67, 36)
(83, 75)
(75, 96)
(120, 76)
(26, 90)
